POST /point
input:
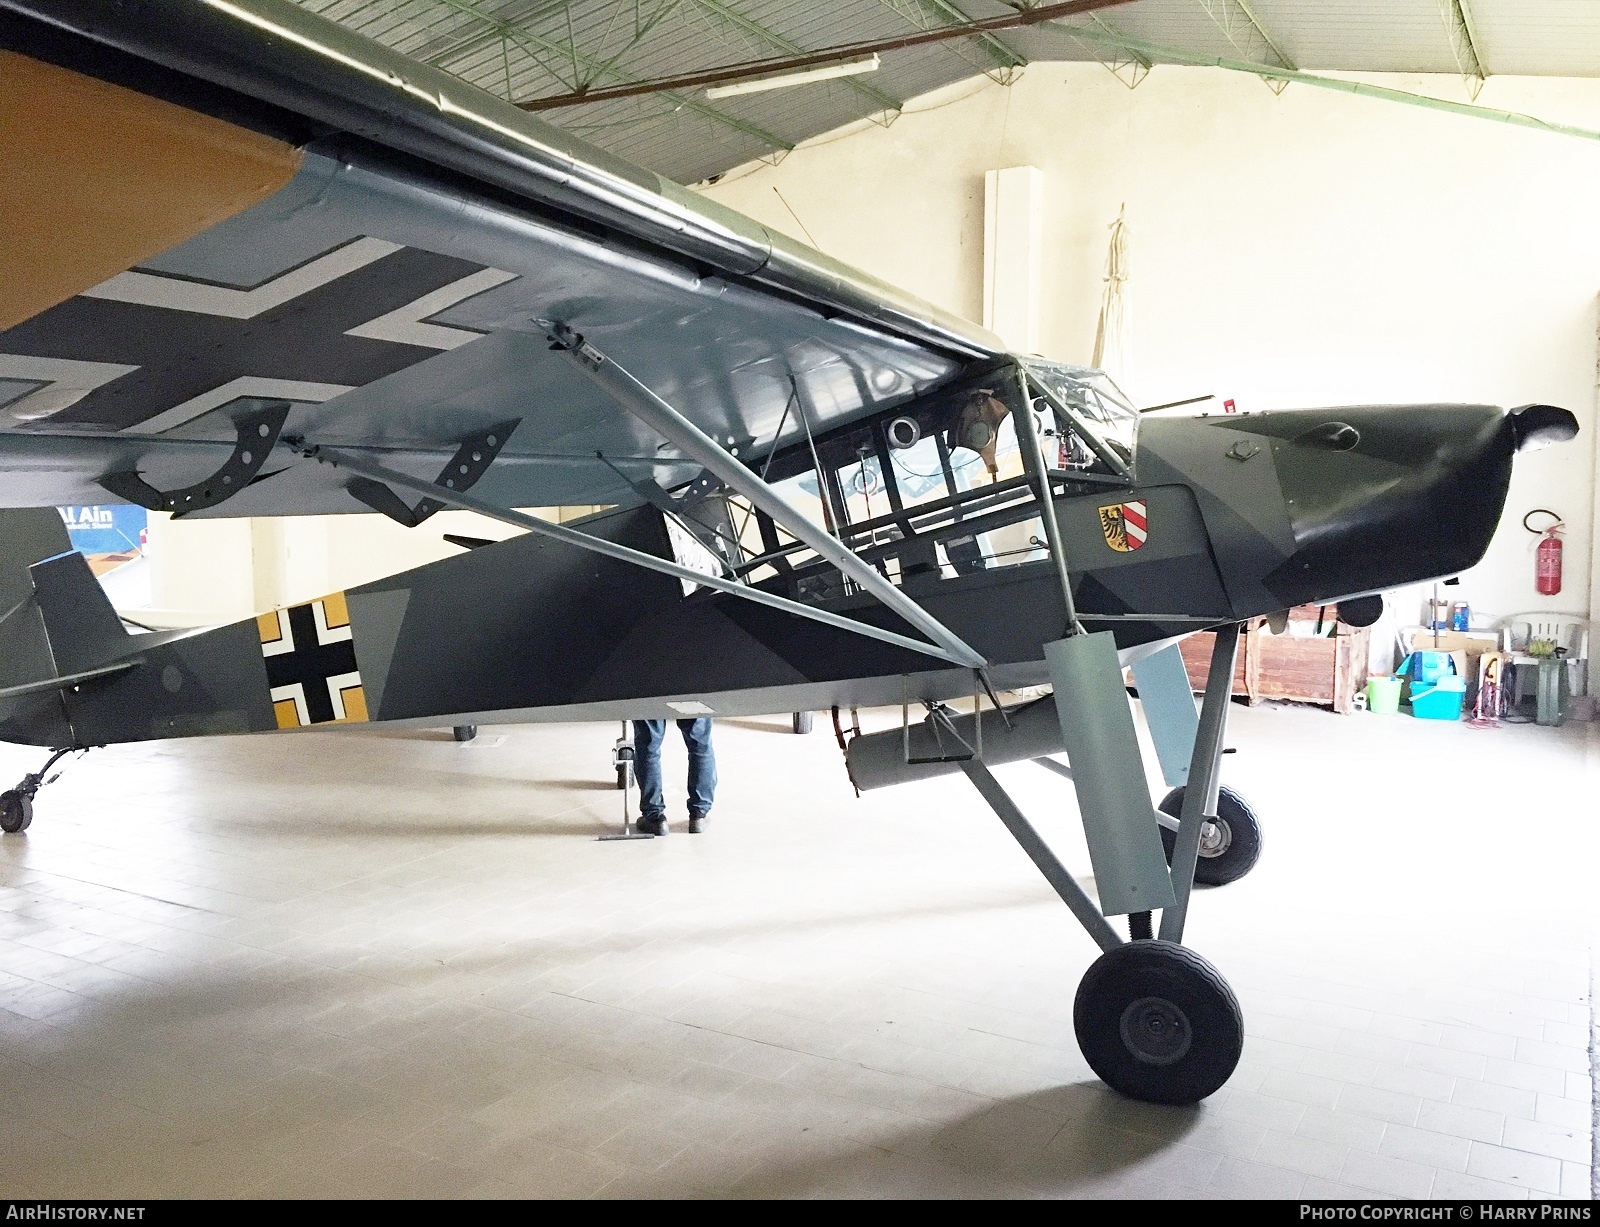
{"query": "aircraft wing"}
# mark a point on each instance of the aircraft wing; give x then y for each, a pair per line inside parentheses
(219, 210)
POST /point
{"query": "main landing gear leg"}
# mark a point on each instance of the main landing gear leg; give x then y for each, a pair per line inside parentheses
(16, 804)
(1154, 1020)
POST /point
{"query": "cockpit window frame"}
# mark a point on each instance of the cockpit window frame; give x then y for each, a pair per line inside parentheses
(1040, 374)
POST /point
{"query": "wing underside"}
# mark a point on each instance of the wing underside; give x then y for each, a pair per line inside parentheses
(387, 304)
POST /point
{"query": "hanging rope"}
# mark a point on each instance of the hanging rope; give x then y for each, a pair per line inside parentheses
(1111, 331)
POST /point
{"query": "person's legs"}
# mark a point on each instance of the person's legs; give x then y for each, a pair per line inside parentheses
(647, 738)
(702, 770)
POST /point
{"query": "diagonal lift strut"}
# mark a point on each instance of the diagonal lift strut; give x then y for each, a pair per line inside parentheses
(666, 421)
(468, 502)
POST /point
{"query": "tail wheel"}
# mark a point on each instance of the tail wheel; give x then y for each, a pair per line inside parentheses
(803, 721)
(1159, 1023)
(1230, 845)
(16, 811)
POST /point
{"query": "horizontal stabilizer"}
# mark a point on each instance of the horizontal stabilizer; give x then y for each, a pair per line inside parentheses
(48, 684)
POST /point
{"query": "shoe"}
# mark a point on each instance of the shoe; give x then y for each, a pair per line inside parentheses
(697, 823)
(651, 824)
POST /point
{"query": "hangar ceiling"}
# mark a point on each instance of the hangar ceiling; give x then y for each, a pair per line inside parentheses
(533, 50)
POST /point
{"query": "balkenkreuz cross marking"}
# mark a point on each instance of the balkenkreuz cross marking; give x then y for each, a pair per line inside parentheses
(182, 354)
(311, 664)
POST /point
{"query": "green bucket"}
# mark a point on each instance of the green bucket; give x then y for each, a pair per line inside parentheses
(1383, 695)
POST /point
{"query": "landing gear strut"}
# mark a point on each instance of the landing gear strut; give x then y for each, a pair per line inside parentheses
(1155, 1020)
(16, 804)
(1230, 840)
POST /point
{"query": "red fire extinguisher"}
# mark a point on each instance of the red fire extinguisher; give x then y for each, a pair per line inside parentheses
(1547, 558)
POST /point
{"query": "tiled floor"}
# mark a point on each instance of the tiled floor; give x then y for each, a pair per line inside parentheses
(389, 965)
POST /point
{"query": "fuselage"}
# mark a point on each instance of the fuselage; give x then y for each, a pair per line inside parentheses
(1238, 517)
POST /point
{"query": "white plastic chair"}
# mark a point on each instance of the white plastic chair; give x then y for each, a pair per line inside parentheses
(1564, 630)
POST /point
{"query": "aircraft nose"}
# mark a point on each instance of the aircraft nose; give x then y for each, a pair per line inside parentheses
(1381, 496)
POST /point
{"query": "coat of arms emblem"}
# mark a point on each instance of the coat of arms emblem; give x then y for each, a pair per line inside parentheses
(1125, 525)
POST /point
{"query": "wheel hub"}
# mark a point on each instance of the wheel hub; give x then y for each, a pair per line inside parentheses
(1156, 1031)
(1215, 837)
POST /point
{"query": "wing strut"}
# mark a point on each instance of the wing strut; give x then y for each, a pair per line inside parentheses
(469, 502)
(666, 421)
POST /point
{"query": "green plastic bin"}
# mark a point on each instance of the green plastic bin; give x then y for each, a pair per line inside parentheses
(1383, 695)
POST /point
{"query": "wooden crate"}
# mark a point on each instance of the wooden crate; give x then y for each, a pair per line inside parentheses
(1196, 651)
(1329, 671)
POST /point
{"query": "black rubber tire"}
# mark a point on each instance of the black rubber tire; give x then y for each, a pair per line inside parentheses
(624, 776)
(803, 721)
(1157, 1022)
(465, 732)
(16, 811)
(1363, 611)
(1243, 838)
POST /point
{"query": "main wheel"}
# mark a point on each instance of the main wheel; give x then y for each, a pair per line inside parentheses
(1159, 1023)
(624, 775)
(466, 732)
(16, 811)
(802, 721)
(1229, 847)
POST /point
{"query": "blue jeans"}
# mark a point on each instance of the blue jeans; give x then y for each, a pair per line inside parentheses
(647, 738)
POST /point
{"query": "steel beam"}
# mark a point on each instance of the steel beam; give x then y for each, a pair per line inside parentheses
(1249, 37)
(467, 502)
(1364, 89)
(529, 41)
(1009, 60)
(1464, 44)
(756, 30)
(1028, 16)
(693, 442)
(1205, 779)
(1116, 60)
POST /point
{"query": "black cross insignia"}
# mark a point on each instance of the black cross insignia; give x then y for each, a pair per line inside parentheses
(310, 663)
(184, 354)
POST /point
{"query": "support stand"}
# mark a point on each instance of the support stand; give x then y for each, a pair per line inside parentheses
(622, 760)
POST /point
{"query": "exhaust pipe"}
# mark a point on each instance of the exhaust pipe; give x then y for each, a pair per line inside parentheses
(877, 760)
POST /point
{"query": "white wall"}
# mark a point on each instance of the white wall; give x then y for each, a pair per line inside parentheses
(1310, 249)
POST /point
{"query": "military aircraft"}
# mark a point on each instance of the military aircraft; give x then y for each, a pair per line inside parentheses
(255, 265)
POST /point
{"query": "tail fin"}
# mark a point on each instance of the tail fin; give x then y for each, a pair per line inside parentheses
(71, 625)
(79, 622)
(27, 535)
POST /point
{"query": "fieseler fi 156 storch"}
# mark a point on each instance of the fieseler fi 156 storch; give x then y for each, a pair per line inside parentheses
(254, 265)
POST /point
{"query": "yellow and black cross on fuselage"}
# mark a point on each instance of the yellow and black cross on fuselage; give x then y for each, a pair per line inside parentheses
(311, 664)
